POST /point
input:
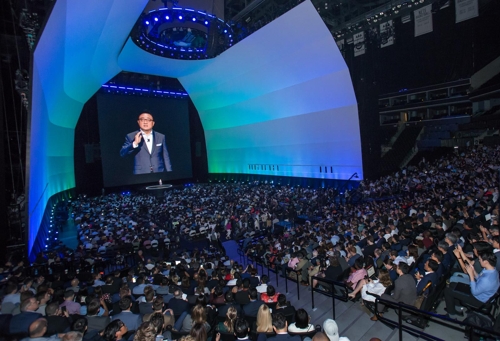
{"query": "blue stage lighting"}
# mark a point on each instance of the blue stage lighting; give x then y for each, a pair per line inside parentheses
(206, 22)
(225, 31)
(156, 19)
(167, 17)
(180, 17)
(194, 19)
(147, 22)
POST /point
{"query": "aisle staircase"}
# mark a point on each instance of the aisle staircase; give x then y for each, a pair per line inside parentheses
(404, 146)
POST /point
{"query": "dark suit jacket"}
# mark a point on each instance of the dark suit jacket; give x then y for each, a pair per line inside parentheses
(178, 306)
(57, 324)
(97, 322)
(20, 323)
(241, 297)
(132, 321)
(144, 162)
(145, 308)
(223, 309)
(405, 290)
(286, 311)
(252, 308)
(432, 277)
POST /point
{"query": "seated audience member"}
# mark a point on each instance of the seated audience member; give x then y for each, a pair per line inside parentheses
(198, 316)
(12, 299)
(58, 320)
(331, 330)
(20, 323)
(429, 276)
(241, 297)
(96, 322)
(229, 300)
(241, 329)
(301, 324)
(146, 332)
(376, 287)
(168, 315)
(199, 332)
(270, 296)
(38, 329)
(482, 286)
(147, 306)
(252, 308)
(283, 307)
(43, 298)
(264, 321)
(228, 325)
(359, 273)
(404, 291)
(115, 331)
(158, 322)
(72, 307)
(132, 321)
(72, 336)
(280, 327)
(262, 288)
(178, 304)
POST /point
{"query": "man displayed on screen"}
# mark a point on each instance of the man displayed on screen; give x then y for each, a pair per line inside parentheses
(148, 147)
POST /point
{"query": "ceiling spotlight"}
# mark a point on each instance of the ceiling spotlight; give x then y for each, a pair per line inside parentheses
(206, 22)
(167, 17)
(156, 19)
(194, 19)
(180, 17)
(147, 22)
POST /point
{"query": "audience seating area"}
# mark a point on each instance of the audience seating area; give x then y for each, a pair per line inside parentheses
(415, 241)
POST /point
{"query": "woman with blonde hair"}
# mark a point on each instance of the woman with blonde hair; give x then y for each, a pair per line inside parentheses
(228, 325)
(264, 320)
(198, 315)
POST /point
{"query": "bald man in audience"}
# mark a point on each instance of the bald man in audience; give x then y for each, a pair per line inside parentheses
(37, 329)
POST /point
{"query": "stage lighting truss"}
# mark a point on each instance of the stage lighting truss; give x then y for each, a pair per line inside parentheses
(182, 33)
(138, 91)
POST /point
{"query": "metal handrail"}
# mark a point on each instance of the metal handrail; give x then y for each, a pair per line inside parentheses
(298, 273)
(344, 297)
(434, 317)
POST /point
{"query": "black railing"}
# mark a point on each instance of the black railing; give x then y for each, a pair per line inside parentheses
(468, 329)
(335, 286)
(298, 273)
(275, 270)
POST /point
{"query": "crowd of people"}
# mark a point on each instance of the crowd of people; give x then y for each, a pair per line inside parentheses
(432, 222)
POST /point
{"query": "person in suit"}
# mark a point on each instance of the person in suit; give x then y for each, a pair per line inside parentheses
(241, 330)
(178, 304)
(96, 322)
(242, 296)
(20, 323)
(131, 320)
(229, 299)
(404, 288)
(430, 276)
(280, 326)
(283, 308)
(168, 315)
(148, 147)
(57, 320)
(252, 308)
(38, 329)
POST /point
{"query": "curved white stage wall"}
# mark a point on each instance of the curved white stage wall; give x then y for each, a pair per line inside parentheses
(280, 102)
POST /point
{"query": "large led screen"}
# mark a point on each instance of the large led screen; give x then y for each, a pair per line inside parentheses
(168, 155)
